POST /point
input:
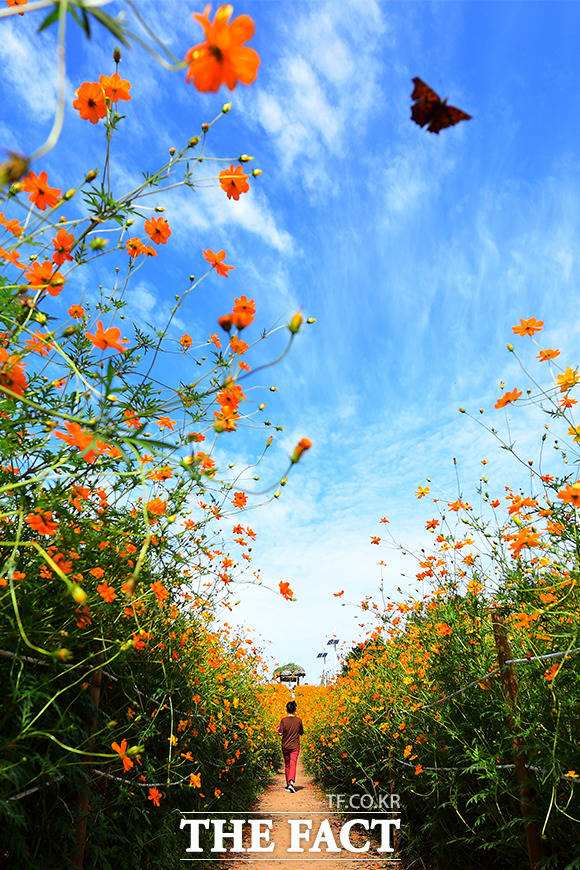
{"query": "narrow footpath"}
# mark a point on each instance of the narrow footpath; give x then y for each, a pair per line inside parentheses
(308, 802)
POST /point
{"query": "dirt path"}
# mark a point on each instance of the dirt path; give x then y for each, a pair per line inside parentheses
(307, 803)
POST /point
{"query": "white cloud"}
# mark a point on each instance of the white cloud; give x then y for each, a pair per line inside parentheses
(29, 66)
(324, 87)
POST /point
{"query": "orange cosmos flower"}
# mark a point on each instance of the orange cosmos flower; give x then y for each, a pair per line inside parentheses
(135, 247)
(418, 770)
(12, 375)
(157, 506)
(11, 225)
(155, 795)
(226, 322)
(375, 540)
(122, 749)
(115, 87)
(551, 672)
(195, 780)
(240, 500)
(243, 313)
(217, 262)
(40, 193)
(38, 343)
(528, 327)
(166, 423)
(158, 230)
(85, 441)
(17, 3)
(442, 629)
(507, 398)
(575, 431)
(12, 257)
(160, 591)
(63, 243)
(285, 591)
(42, 522)
(571, 494)
(422, 491)
(567, 380)
(42, 277)
(90, 102)
(303, 444)
(106, 592)
(547, 354)
(214, 338)
(222, 58)
(186, 341)
(234, 181)
(237, 345)
(567, 402)
(431, 524)
(108, 338)
(76, 311)
(338, 594)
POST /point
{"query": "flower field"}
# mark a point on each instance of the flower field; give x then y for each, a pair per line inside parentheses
(464, 701)
(124, 698)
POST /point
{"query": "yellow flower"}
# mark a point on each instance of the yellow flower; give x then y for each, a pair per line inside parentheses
(567, 380)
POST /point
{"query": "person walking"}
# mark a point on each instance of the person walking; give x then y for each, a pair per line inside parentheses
(290, 729)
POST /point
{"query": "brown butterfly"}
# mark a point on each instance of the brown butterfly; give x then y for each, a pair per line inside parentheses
(429, 109)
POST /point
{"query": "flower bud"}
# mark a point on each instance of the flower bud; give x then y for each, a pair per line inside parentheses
(219, 426)
(277, 494)
(245, 158)
(256, 172)
(171, 151)
(78, 593)
(160, 207)
(117, 54)
(69, 194)
(64, 655)
(204, 127)
(295, 323)
(311, 320)
(97, 244)
(112, 398)
(70, 330)
(510, 347)
(13, 169)
(90, 176)
(226, 322)
(303, 444)
(262, 406)
(226, 108)
(193, 142)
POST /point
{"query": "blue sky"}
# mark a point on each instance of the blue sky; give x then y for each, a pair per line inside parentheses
(414, 252)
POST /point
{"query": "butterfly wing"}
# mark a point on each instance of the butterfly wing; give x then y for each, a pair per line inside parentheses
(424, 110)
(446, 116)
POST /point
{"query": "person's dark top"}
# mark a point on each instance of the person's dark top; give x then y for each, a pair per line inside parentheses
(290, 728)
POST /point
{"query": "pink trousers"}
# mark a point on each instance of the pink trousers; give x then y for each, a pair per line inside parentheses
(290, 759)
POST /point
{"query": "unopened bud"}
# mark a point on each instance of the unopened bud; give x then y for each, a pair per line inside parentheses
(277, 494)
(117, 54)
(130, 222)
(295, 322)
(64, 655)
(226, 322)
(273, 389)
(204, 127)
(303, 444)
(69, 194)
(112, 398)
(219, 426)
(226, 108)
(284, 481)
(311, 320)
(78, 593)
(193, 142)
(159, 208)
(172, 151)
(256, 172)
(510, 347)
(90, 176)
(245, 158)
(70, 330)
(462, 411)
(262, 406)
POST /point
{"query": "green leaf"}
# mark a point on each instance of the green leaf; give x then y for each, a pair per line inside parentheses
(111, 25)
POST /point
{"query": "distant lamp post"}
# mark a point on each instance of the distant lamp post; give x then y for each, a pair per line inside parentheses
(333, 642)
(322, 656)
